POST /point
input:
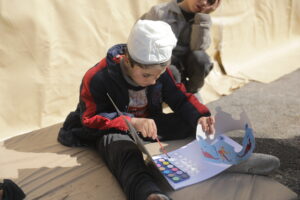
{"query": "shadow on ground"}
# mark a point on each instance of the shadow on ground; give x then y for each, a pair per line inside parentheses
(288, 151)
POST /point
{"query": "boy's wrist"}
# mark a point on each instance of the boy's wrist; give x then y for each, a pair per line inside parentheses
(202, 18)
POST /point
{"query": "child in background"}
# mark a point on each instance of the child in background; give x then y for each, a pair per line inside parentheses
(191, 22)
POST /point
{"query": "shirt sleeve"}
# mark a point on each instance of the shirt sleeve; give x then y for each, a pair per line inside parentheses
(152, 14)
(200, 33)
(94, 103)
(186, 104)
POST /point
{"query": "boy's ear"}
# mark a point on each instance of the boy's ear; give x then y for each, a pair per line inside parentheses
(126, 59)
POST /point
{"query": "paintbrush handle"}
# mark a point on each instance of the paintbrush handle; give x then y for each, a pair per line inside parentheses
(162, 148)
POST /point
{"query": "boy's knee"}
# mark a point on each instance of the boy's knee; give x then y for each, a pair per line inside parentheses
(201, 60)
(124, 151)
(198, 67)
(117, 146)
(109, 140)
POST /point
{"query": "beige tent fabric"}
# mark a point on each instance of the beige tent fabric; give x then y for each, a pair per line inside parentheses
(46, 170)
(260, 39)
(46, 47)
(252, 40)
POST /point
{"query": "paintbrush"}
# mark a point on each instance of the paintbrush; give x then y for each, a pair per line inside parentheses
(162, 148)
(134, 132)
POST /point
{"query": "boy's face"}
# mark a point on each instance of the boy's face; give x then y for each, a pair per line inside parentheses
(196, 6)
(145, 76)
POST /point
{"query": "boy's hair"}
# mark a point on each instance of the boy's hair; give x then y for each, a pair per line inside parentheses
(144, 66)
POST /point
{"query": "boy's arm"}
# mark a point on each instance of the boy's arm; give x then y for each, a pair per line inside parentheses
(96, 111)
(207, 124)
(200, 33)
(152, 14)
(186, 104)
(104, 121)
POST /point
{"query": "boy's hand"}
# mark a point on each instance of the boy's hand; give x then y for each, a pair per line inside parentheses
(146, 127)
(208, 124)
(208, 8)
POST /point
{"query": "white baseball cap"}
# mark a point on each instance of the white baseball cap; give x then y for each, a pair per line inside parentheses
(151, 42)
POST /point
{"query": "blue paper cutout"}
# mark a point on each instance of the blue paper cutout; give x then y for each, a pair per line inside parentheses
(220, 151)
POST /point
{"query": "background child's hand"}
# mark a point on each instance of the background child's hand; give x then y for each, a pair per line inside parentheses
(210, 7)
(208, 124)
(146, 127)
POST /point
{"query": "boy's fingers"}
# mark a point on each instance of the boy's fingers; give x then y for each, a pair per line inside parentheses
(144, 132)
(154, 130)
(211, 129)
(204, 125)
(217, 3)
(211, 120)
(207, 124)
(150, 128)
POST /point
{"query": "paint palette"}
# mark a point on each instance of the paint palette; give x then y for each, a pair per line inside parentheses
(170, 171)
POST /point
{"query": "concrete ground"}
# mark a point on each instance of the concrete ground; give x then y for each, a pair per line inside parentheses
(274, 110)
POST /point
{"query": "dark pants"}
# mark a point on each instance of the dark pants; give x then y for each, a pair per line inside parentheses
(193, 67)
(121, 154)
(126, 162)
